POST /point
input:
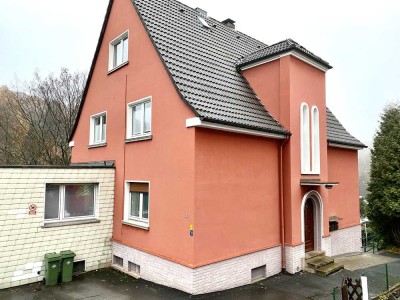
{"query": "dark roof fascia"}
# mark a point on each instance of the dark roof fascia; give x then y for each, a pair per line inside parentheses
(284, 133)
(291, 49)
(163, 62)
(332, 143)
(96, 54)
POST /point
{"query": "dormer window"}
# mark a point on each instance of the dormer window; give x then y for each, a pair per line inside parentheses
(310, 152)
(118, 49)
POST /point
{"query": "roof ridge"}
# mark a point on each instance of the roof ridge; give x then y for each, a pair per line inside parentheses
(279, 48)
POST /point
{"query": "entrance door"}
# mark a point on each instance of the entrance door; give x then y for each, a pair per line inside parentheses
(309, 225)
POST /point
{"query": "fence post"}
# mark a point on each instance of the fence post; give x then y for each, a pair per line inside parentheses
(387, 277)
(364, 285)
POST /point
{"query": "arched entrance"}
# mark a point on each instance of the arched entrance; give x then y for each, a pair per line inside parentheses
(311, 221)
(309, 225)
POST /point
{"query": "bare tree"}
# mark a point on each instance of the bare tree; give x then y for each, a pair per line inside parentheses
(36, 119)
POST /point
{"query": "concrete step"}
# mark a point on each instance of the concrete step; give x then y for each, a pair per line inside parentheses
(309, 270)
(319, 261)
(313, 254)
(329, 269)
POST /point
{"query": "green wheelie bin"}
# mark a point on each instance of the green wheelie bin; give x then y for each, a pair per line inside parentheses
(52, 268)
(67, 265)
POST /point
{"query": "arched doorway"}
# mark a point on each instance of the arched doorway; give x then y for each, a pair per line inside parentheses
(309, 226)
(311, 221)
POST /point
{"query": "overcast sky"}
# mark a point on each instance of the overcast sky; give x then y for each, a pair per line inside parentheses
(360, 39)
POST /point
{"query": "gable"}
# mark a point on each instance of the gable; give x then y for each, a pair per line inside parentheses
(202, 63)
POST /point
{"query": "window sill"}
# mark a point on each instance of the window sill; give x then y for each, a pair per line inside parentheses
(117, 67)
(139, 139)
(310, 173)
(69, 223)
(137, 224)
(99, 145)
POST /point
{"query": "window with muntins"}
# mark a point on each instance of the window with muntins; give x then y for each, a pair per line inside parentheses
(118, 51)
(139, 118)
(69, 201)
(137, 203)
(98, 128)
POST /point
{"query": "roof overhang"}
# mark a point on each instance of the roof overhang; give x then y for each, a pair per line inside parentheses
(198, 122)
(293, 53)
(350, 147)
(317, 182)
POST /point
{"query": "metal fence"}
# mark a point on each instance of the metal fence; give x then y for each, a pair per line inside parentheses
(380, 279)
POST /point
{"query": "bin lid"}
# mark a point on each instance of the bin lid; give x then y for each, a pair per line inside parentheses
(52, 257)
(67, 254)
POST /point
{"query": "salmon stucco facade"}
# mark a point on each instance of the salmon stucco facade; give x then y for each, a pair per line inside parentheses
(229, 167)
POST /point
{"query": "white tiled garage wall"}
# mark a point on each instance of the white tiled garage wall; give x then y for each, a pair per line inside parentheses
(24, 241)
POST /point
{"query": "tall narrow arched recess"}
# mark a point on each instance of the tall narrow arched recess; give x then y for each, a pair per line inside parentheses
(315, 164)
(305, 138)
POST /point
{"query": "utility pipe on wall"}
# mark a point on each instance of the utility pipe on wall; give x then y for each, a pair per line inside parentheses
(282, 219)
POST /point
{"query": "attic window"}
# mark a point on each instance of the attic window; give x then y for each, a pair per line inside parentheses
(204, 23)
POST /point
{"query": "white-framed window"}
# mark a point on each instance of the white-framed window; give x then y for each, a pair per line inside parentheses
(67, 202)
(137, 203)
(118, 51)
(98, 129)
(305, 138)
(315, 166)
(310, 152)
(139, 118)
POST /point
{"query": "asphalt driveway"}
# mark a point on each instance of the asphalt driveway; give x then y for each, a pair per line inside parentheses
(110, 284)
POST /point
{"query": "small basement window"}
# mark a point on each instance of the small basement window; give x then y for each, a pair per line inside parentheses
(259, 273)
(333, 226)
(118, 261)
(133, 268)
(79, 267)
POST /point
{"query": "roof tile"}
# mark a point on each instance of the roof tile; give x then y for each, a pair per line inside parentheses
(202, 64)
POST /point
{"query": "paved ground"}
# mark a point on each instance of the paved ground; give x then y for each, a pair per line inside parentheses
(110, 284)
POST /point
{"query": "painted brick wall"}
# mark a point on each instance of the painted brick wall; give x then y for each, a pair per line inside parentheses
(214, 277)
(346, 240)
(327, 246)
(294, 257)
(23, 240)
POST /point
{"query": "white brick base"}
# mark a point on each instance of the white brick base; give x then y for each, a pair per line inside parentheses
(24, 238)
(211, 278)
(294, 257)
(326, 246)
(346, 240)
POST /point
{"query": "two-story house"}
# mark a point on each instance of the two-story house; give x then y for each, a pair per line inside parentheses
(229, 165)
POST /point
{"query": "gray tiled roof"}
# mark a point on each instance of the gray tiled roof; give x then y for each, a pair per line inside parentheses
(338, 134)
(202, 63)
(279, 48)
